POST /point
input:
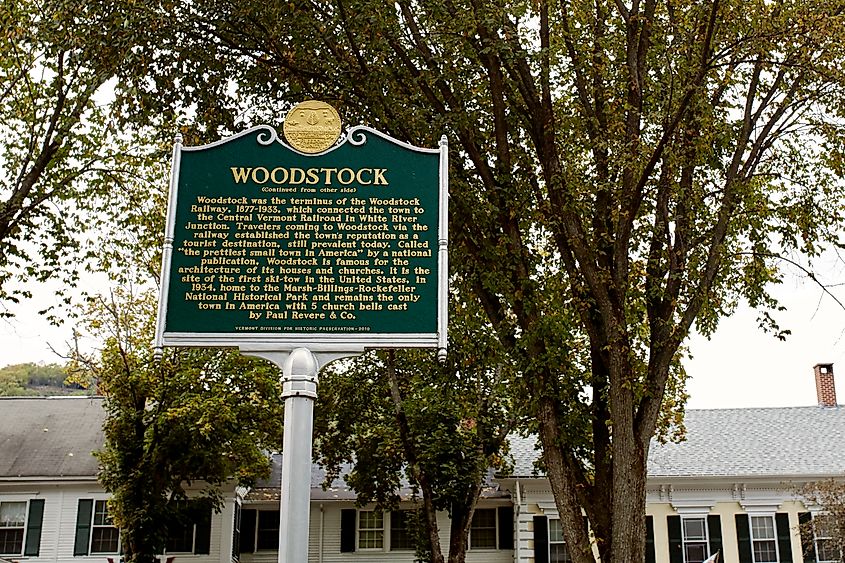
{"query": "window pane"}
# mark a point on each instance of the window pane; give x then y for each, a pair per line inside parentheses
(369, 519)
(823, 525)
(483, 529)
(101, 514)
(268, 529)
(370, 529)
(558, 553)
(12, 514)
(483, 539)
(762, 528)
(694, 529)
(765, 552)
(695, 552)
(484, 518)
(555, 531)
(826, 551)
(371, 539)
(400, 530)
(11, 541)
(180, 538)
(104, 539)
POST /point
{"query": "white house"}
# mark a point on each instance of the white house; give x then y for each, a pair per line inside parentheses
(731, 486)
(52, 508)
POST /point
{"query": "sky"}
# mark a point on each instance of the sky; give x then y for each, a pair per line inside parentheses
(740, 366)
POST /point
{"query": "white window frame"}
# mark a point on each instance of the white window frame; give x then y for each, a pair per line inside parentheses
(359, 529)
(495, 531)
(258, 529)
(817, 538)
(388, 543)
(685, 540)
(22, 528)
(193, 543)
(556, 542)
(94, 525)
(773, 539)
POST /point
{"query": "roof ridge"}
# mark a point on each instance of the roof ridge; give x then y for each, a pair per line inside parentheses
(44, 397)
(789, 407)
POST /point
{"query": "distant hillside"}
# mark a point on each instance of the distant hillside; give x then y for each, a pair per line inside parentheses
(36, 379)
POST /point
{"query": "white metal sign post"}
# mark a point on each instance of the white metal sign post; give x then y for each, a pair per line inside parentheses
(301, 254)
(299, 368)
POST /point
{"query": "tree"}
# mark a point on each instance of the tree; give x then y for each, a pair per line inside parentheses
(194, 416)
(621, 172)
(394, 415)
(823, 535)
(20, 379)
(13, 382)
(62, 155)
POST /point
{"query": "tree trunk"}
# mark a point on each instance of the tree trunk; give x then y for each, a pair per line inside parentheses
(429, 509)
(461, 523)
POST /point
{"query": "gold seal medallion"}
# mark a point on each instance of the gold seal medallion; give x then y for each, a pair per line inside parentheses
(312, 126)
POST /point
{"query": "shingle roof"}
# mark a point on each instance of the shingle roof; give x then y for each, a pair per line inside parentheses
(756, 442)
(270, 489)
(54, 437)
(50, 436)
(776, 442)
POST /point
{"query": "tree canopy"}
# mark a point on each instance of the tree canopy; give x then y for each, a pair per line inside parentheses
(621, 172)
(399, 417)
(194, 418)
(823, 531)
(24, 379)
(65, 156)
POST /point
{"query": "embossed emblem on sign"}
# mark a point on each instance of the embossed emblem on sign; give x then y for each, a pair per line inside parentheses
(312, 127)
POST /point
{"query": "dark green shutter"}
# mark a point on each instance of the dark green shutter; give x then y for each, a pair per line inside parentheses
(649, 540)
(348, 521)
(505, 527)
(784, 536)
(676, 544)
(33, 527)
(808, 546)
(743, 538)
(714, 529)
(83, 526)
(541, 539)
(202, 521)
(247, 530)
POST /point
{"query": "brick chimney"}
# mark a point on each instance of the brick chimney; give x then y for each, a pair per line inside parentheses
(825, 388)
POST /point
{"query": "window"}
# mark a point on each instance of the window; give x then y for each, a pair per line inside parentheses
(823, 537)
(695, 539)
(189, 528)
(105, 537)
(482, 532)
(763, 539)
(268, 530)
(374, 530)
(401, 530)
(180, 538)
(12, 525)
(557, 547)
(370, 529)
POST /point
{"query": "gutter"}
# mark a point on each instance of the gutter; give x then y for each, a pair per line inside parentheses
(46, 480)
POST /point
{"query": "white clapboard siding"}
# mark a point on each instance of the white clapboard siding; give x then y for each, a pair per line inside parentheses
(324, 543)
(58, 528)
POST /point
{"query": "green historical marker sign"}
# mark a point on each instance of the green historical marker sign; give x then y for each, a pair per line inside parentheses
(269, 245)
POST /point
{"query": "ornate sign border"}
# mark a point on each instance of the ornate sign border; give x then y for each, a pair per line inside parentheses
(352, 342)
